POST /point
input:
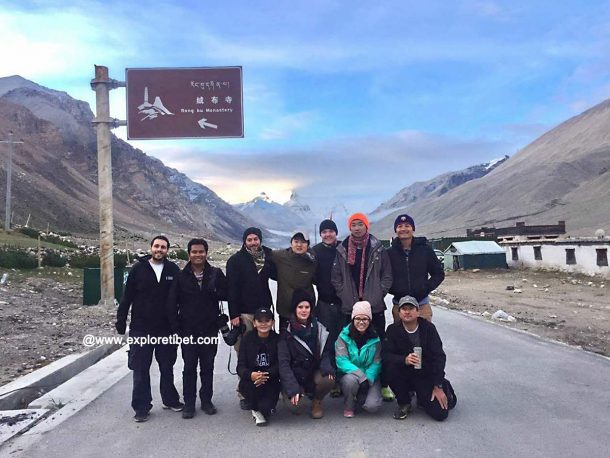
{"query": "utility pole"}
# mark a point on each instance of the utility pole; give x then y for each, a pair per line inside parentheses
(102, 85)
(9, 173)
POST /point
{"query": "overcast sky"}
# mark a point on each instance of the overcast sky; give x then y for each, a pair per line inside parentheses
(344, 100)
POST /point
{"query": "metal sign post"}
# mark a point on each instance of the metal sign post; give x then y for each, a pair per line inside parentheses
(102, 85)
(9, 175)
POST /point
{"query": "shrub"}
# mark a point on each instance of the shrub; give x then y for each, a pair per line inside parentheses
(11, 258)
(29, 232)
(181, 254)
(82, 261)
(58, 241)
(53, 259)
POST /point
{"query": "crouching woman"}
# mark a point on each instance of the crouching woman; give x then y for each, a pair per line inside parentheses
(358, 356)
(305, 360)
(258, 368)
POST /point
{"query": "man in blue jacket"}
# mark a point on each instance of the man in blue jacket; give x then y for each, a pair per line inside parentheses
(146, 292)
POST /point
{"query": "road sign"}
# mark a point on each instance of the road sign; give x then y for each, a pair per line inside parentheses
(204, 102)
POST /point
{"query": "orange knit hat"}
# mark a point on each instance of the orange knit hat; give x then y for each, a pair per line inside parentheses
(362, 217)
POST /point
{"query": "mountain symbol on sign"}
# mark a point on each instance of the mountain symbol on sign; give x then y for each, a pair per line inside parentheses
(152, 110)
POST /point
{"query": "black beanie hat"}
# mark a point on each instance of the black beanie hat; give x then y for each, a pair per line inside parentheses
(403, 219)
(252, 230)
(328, 224)
(299, 296)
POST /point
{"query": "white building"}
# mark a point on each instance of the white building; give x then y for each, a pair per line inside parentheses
(585, 255)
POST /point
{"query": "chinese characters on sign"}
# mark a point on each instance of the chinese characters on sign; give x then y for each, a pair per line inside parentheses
(187, 103)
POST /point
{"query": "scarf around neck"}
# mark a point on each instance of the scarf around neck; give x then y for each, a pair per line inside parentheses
(354, 244)
(259, 259)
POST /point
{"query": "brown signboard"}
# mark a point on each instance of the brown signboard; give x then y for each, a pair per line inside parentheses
(201, 102)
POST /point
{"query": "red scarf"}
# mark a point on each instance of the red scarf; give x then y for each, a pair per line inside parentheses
(353, 244)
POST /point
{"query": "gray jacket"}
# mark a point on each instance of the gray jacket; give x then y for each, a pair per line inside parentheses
(377, 282)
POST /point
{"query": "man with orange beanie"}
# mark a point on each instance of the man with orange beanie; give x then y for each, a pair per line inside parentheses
(362, 272)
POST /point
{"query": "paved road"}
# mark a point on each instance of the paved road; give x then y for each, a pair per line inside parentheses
(518, 396)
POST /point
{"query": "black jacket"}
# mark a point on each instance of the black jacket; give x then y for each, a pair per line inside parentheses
(147, 297)
(417, 275)
(248, 289)
(298, 364)
(193, 310)
(326, 257)
(397, 345)
(249, 349)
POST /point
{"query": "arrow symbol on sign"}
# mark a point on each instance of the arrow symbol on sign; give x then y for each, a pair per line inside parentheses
(202, 122)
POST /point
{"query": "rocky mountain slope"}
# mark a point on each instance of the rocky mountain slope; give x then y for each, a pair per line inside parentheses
(55, 173)
(406, 197)
(562, 175)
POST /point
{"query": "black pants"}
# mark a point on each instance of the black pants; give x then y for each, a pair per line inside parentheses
(201, 355)
(140, 360)
(262, 398)
(379, 325)
(331, 317)
(404, 379)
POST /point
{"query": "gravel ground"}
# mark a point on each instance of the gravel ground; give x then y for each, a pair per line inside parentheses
(573, 309)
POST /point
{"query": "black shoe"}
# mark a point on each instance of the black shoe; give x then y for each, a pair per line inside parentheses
(141, 417)
(402, 412)
(244, 405)
(208, 408)
(188, 412)
(176, 407)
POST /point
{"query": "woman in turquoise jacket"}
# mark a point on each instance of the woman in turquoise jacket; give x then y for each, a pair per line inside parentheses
(358, 356)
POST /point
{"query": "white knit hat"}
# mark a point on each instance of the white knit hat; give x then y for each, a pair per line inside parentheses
(362, 308)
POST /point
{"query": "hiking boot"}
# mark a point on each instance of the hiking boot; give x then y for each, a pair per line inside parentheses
(402, 412)
(316, 409)
(141, 417)
(208, 408)
(244, 405)
(176, 408)
(259, 418)
(348, 413)
(188, 412)
(387, 394)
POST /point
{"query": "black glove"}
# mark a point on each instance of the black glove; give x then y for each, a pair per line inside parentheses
(120, 326)
(363, 391)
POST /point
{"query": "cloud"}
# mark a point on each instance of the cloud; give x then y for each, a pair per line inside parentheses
(357, 172)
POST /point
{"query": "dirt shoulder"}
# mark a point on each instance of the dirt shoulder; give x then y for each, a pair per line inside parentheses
(573, 309)
(43, 319)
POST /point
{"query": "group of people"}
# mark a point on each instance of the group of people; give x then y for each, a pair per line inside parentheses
(337, 344)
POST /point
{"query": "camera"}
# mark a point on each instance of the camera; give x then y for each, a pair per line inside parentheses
(230, 336)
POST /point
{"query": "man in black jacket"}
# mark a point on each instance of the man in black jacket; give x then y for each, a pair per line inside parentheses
(248, 273)
(193, 310)
(146, 292)
(328, 308)
(258, 368)
(407, 371)
(416, 270)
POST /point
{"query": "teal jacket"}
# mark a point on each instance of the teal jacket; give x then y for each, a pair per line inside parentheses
(364, 363)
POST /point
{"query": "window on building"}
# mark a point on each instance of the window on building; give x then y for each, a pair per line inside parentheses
(515, 252)
(602, 256)
(538, 253)
(570, 256)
